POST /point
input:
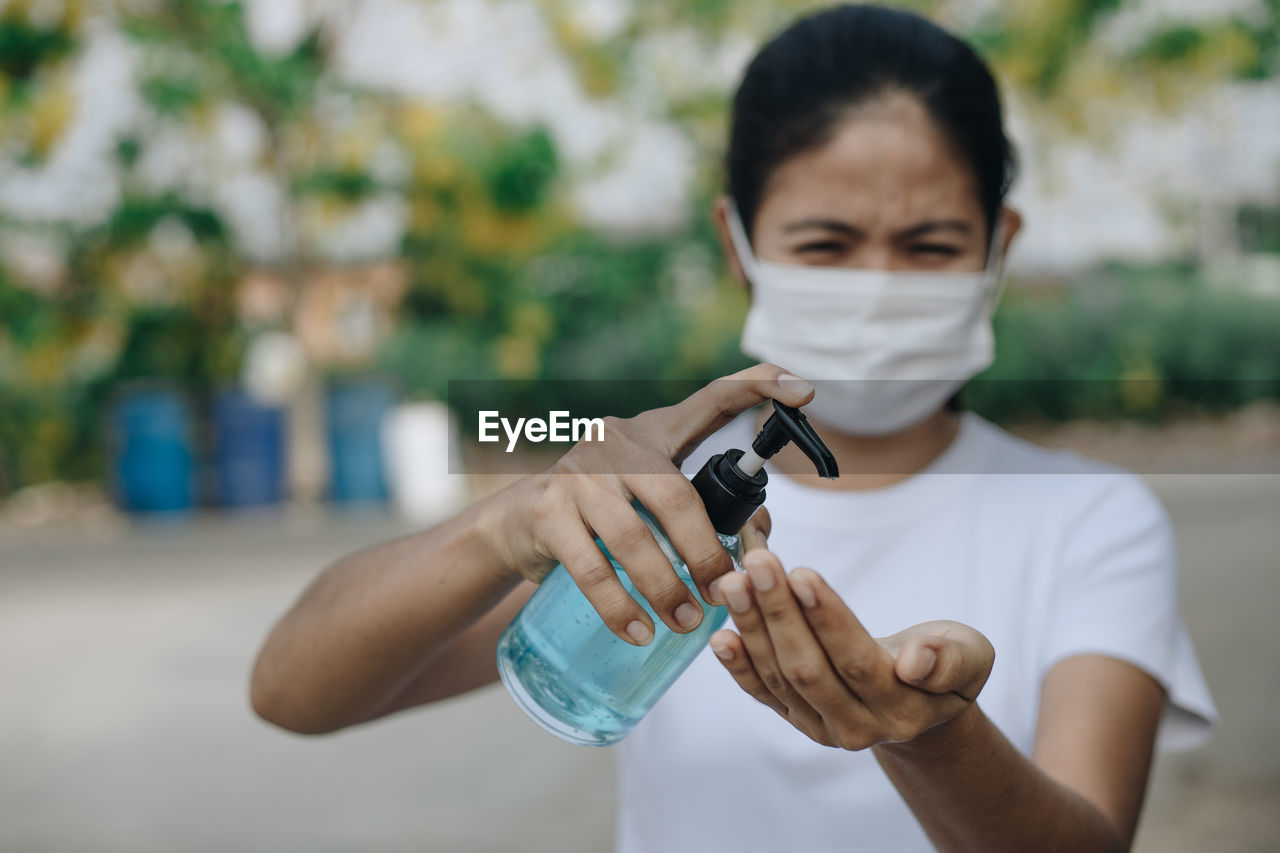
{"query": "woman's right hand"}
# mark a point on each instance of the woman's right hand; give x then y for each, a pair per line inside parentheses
(554, 517)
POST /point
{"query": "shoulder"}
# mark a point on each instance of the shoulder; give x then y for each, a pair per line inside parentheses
(1087, 513)
(1075, 482)
(1007, 453)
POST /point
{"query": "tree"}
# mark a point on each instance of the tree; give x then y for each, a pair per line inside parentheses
(503, 280)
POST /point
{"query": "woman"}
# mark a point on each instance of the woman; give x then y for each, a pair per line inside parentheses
(1026, 599)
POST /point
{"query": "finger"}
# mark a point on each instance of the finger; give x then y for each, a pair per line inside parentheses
(800, 657)
(956, 659)
(733, 657)
(755, 533)
(631, 543)
(675, 503)
(861, 663)
(736, 589)
(598, 580)
(711, 407)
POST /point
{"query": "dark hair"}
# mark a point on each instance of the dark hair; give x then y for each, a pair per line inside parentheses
(799, 86)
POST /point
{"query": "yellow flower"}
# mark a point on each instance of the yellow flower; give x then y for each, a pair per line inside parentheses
(424, 213)
(713, 323)
(434, 167)
(355, 148)
(420, 123)
(533, 320)
(1141, 388)
(50, 115)
(44, 366)
(517, 357)
(485, 230)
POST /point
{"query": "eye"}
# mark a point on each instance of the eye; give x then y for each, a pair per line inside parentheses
(938, 250)
(820, 246)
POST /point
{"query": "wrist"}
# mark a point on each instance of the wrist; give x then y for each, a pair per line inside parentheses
(953, 735)
(502, 527)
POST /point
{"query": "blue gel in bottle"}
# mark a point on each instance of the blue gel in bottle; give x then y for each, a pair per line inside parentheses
(573, 675)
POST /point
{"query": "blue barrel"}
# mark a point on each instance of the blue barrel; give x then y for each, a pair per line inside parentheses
(354, 412)
(249, 450)
(151, 460)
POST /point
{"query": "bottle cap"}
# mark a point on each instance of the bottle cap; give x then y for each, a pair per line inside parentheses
(732, 483)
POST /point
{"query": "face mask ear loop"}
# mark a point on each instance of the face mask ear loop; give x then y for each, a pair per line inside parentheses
(995, 266)
(738, 236)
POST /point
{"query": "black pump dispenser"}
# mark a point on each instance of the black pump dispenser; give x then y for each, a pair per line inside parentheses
(732, 483)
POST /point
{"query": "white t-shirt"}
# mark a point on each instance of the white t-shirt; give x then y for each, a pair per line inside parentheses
(1046, 553)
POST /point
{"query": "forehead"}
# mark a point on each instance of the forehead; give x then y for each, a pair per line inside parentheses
(888, 165)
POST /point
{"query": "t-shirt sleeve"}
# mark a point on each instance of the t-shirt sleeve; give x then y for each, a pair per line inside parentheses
(1116, 594)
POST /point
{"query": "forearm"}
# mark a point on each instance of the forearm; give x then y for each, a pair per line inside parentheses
(376, 618)
(972, 790)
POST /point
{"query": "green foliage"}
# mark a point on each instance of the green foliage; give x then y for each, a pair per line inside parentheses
(503, 283)
(171, 94)
(345, 184)
(33, 439)
(43, 421)
(138, 215)
(28, 318)
(1264, 30)
(25, 47)
(1059, 44)
(187, 347)
(588, 308)
(1136, 343)
(1173, 44)
(521, 173)
(1259, 227)
(128, 150)
(211, 46)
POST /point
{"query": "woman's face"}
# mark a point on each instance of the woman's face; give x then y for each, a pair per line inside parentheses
(886, 192)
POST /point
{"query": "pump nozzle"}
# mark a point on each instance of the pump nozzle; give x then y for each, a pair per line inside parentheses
(732, 483)
(788, 424)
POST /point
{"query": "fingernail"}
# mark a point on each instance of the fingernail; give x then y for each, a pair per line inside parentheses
(804, 592)
(925, 661)
(713, 590)
(735, 595)
(761, 575)
(722, 652)
(794, 384)
(687, 615)
(638, 631)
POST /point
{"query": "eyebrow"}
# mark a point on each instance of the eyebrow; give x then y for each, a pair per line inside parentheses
(929, 226)
(824, 224)
(917, 230)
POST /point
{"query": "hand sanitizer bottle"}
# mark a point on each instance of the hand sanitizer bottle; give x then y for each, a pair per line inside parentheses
(571, 674)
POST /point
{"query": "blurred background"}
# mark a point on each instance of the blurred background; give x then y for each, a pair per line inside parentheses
(244, 246)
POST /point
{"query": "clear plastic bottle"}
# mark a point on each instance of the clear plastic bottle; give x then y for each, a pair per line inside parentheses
(613, 683)
(573, 675)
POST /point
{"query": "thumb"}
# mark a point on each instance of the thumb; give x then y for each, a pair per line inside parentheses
(711, 407)
(944, 657)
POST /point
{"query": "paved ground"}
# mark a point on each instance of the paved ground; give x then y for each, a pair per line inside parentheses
(124, 724)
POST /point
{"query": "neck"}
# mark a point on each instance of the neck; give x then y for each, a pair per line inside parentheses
(872, 462)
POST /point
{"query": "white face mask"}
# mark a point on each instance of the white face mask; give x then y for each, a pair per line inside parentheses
(884, 349)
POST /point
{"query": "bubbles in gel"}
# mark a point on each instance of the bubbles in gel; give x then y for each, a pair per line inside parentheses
(574, 677)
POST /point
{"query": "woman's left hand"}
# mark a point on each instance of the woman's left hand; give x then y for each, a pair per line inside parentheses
(803, 653)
